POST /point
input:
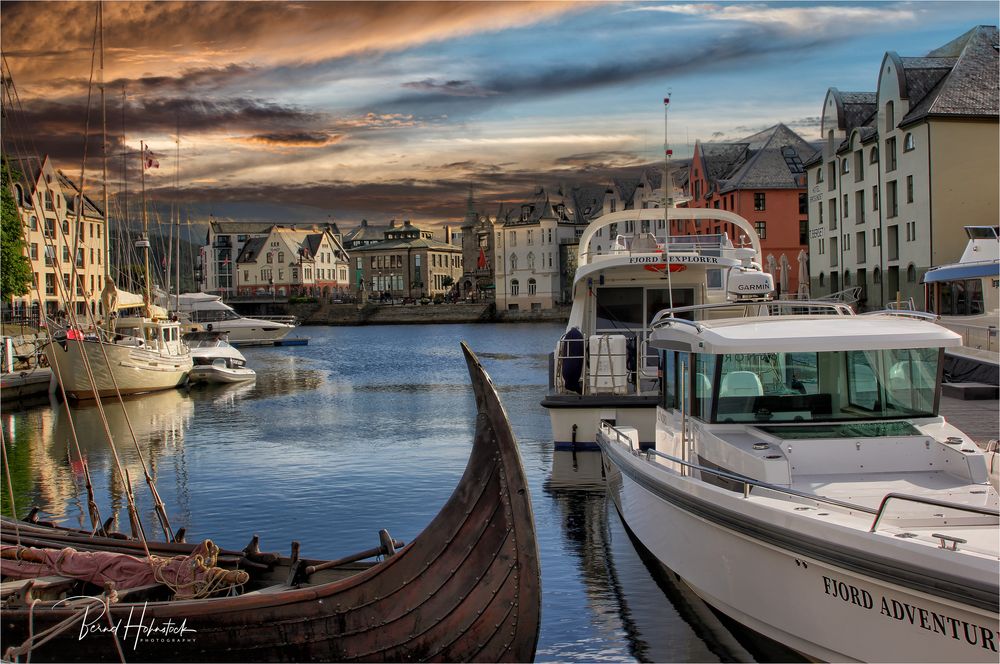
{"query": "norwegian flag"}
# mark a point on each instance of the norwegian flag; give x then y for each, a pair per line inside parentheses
(151, 161)
(481, 263)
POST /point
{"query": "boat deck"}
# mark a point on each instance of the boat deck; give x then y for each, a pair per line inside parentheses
(869, 489)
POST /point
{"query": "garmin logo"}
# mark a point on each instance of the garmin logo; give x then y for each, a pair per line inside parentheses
(754, 288)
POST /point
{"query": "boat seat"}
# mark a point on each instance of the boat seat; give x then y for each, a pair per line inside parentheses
(741, 384)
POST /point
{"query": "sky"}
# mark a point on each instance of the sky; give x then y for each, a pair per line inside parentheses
(311, 111)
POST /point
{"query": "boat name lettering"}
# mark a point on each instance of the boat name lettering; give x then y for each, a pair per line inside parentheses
(939, 623)
(644, 259)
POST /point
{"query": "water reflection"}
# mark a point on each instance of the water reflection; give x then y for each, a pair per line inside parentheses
(659, 619)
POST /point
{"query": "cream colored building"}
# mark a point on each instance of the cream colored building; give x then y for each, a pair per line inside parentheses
(903, 169)
(65, 236)
(290, 261)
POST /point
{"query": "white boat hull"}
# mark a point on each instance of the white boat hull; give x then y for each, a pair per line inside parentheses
(824, 611)
(130, 369)
(213, 374)
(586, 421)
(238, 332)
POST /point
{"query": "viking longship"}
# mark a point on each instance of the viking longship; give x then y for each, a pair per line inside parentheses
(466, 588)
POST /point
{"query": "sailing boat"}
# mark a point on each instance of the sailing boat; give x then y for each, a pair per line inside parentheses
(138, 349)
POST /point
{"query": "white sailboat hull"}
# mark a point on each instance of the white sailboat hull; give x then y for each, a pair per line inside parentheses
(825, 611)
(133, 370)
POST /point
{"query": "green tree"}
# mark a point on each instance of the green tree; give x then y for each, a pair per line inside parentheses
(15, 268)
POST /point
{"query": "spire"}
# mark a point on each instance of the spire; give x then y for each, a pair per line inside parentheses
(470, 209)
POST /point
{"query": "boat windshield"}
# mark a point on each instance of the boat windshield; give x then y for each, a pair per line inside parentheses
(825, 386)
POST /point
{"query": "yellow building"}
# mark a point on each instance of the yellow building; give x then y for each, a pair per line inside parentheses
(65, 238)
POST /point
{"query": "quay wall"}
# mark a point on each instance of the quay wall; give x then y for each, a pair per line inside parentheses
(399, 314)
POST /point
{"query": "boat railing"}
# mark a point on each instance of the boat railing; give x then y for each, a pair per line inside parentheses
(903, 313)
(609, 431)
(748, 309)
(650, 243)
(606, 370)
(981, 337)
(931, 502)
(284, 320)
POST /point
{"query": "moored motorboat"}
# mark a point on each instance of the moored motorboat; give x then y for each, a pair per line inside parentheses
(804, 485)
(467, 588)
(966, 295)
(215, 360)
(207, 311)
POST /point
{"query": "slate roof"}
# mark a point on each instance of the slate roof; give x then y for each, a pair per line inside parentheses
(587, 202)
(625, 188)
(771, 159)
(366, 233)
(859, 109)
(958, 79)
(251, 250)
(408, 243)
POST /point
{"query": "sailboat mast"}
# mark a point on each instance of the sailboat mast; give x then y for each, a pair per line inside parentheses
(146, 295)
(177, 257)
(104, 165)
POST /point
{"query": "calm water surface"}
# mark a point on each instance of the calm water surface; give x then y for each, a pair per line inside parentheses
(368, 428)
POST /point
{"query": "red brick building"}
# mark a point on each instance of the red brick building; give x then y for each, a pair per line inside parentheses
(760, 178)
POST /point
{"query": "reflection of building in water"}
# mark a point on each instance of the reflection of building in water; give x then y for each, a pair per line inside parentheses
(40, 473)
(158, 421)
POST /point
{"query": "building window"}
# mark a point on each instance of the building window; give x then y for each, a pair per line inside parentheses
(33, 223)
(819, 213)
(892, 238)
(911, 231)
(860, 248)
(758, 201)
(846, 208)
(531, 260)
(890, 121)
(281, 257)
(819, 175)
(803, 203)
(847, 277)
(50, 284)
(859, 166)
(847, 242)
(531, 236)
(822, 278)
(845, 166)
(761, 228)
(270, 257)
(876, 238)
(875, 197)
(890, 154)
(34, 251)
(513, 238)
(909, 188)
(873, 155)
(833, 252)
(513, 286)
(832, 203)
(877, 276)
(822, 246)
(532, 286)
(803, 231)
(908, 142)
(513, 262)
(911, 273)
(892, 200)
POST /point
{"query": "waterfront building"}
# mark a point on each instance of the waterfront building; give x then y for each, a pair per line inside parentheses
(313, 260)
(527, 252)
(65, 240)
(407, 263)
(762, 178)
(291, 261)
(903, 169)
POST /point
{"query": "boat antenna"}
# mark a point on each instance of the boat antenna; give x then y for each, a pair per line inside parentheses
(667, 198)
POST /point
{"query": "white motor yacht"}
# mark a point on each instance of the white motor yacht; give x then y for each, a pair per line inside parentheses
(215, 360)
(803, 484)
(966, 295)
(628, 269)
(210, 312)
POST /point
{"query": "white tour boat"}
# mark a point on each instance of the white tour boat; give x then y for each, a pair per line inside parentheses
(804, 484)
(215, 360)
(966, 295)
(602, 368)
(138, 354)
(210, 312)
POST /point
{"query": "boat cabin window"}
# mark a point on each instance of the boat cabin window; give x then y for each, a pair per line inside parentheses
(632, 309)
(957, 298)
(832, 386)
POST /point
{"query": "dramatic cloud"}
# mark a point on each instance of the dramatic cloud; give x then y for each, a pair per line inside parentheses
(452, 88)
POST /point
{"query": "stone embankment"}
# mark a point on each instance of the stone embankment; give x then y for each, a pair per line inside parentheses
(402, 314)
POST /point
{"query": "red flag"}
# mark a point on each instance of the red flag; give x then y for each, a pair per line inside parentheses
(151, 161)
(481, 263)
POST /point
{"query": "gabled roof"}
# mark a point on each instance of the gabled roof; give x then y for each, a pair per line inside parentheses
(625, 189)
(957, 80)
(70, 192)
(859, 108)
(587, 202)
(367, 232)
(251, 250)
(770, 159)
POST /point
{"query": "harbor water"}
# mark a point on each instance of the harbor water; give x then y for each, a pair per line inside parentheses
(367, 428)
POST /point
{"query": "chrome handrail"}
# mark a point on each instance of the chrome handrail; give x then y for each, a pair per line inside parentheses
(904, 313)
(928, 501)
(748, 482)
(659, 320)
